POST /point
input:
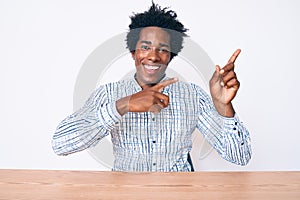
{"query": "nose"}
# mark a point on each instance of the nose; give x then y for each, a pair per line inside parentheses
(153, 55)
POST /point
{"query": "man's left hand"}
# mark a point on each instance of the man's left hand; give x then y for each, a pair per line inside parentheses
(224, 86)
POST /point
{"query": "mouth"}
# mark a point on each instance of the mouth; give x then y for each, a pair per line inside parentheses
(152, 67)
(151, 73)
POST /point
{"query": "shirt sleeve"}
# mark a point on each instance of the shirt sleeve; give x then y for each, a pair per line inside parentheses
(227, 135)
(88, 125)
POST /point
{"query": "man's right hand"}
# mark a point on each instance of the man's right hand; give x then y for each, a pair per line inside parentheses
(150, 99)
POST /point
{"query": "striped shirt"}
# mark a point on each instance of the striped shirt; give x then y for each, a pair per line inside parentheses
(144, 141)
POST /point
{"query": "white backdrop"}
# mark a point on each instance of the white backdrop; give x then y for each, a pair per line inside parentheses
(43, 45)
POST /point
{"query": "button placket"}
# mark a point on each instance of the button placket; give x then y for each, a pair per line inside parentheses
(155, 141)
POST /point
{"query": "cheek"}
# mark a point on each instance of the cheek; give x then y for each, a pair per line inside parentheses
(166, 59)
(139, 56)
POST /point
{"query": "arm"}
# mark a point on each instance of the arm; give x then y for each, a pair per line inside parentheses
(87, 126)
(97, 117)
(218, 121)
(227, 135)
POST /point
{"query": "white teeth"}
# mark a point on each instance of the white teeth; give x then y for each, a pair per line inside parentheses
(151, 67)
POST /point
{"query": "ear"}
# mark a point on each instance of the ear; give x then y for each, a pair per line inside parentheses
(133, 55)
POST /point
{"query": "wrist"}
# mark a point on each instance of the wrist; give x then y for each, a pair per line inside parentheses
(122, 105)
(224, 109)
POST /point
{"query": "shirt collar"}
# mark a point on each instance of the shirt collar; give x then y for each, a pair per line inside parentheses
(136, 85)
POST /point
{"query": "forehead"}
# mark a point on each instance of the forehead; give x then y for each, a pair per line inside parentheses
(154, 34)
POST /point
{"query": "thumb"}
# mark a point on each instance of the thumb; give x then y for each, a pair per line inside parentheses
(216, 75)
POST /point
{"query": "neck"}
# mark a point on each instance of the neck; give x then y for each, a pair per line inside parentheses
(147, 85)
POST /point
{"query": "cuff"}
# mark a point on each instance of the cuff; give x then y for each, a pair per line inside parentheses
(109, 114)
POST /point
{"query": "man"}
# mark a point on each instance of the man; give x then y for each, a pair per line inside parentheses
(150, 117)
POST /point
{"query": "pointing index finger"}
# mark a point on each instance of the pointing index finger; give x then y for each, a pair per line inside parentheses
(234, 56)
(165, 83)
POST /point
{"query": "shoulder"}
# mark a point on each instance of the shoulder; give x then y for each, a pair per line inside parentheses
(116, 90)
(111, 86)
(105, 89)
(197, 90)
(192, 87)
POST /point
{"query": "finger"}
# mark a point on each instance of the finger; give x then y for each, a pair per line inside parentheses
(232, 83)
(162, 99)
(160, 103)
(155, 108)
(227, 68)
(230, 75)
(234, 56)
(216, 75)
(160, 86)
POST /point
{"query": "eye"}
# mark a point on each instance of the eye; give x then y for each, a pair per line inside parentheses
(164, 50)
(145, 47)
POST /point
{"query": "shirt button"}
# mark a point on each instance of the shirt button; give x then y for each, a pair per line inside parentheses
(153, 119)
(234, 128)
(154, 142)
(154, 164)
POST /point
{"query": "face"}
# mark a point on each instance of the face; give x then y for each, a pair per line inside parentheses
(152, 55)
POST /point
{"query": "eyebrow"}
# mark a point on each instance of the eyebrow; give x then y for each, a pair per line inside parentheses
(149, 42)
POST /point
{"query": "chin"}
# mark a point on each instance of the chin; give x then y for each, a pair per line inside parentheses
(148, 79)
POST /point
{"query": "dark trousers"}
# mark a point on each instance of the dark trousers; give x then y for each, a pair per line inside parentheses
(189, 159)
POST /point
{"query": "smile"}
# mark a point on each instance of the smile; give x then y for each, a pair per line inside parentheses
(152, 67)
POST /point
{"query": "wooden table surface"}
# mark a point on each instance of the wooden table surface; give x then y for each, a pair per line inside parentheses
(73, 185)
